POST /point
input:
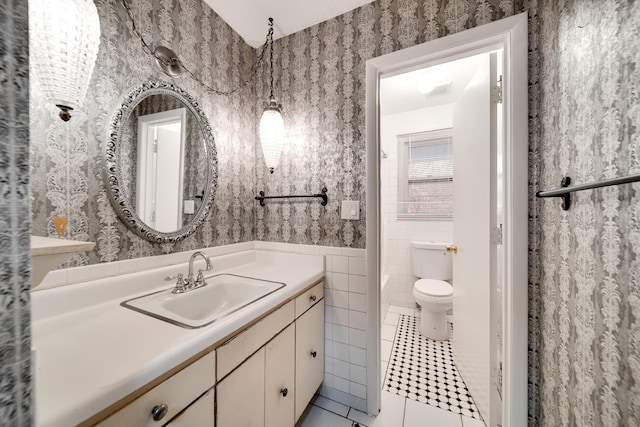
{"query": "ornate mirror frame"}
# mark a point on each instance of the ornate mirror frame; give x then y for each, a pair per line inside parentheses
(112, 175)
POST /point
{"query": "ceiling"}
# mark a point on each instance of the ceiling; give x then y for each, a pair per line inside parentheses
(249, 18)
(399, 93)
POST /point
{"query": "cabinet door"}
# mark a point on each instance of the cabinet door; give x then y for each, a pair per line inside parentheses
(241, 395)
(200, 413)
(279, 380)
(309, 355)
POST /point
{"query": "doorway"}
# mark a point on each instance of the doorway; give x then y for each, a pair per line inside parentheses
(424, 210)
(508, 36)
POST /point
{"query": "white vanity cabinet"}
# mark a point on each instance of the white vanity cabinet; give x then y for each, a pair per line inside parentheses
(241, 394)
(167, 399)
(200, 413)
(274, 386)
(262, 376)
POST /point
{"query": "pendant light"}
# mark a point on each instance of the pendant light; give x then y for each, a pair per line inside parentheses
(65, 36)
(271, 123)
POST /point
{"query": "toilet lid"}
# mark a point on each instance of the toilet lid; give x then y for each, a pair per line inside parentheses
(436, 288)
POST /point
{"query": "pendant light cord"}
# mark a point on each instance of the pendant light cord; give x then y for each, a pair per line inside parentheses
(254, 67)
(270, 41)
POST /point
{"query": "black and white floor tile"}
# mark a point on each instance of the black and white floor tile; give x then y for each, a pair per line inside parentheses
(423, 370)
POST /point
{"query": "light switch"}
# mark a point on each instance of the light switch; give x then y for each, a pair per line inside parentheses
(350, 209)
(189, 207)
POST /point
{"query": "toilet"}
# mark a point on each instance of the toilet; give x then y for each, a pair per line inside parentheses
(434, 266)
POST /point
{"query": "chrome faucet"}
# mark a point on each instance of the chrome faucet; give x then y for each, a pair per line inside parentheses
(182, 286)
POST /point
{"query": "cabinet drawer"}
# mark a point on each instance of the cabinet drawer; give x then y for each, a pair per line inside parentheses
(306, 300)
(240, 347)
(176, 393)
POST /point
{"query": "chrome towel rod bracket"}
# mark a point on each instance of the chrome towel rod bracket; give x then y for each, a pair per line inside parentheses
(566, 188)
(322, 195)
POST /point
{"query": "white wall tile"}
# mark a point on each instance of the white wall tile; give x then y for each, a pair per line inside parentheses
(328, 263)
(328, 380)
(341, 281)
(328, 347)
(340, 334)
(357, 266)
(340, 298)
(358, 356)
(357, 338)
(341, 368)
(328, 331)
(358, 284)
(340, 264)
(358, 320)
(358, 390)
(357, 374)
(357, 302)
(328, 314)
(341, 384)
(353, 252)
(328, 364)
(328, 280)
(341, 351)
(340, 316)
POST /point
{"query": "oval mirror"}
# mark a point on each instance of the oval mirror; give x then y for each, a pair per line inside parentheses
(161, 167)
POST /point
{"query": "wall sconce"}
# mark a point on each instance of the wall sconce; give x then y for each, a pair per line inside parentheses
(65, 36)
(271, 123)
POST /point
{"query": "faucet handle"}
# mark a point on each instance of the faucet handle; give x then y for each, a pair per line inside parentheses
(200, 279)
(180, 285)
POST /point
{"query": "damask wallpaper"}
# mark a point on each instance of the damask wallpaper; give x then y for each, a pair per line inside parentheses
(584, 107)
(589, 295)
(320, 80)
(15, 255)
(66, 157)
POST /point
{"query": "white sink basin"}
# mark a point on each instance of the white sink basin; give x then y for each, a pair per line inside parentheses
(223, 294)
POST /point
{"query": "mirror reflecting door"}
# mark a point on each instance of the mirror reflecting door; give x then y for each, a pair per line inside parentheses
(161, 147)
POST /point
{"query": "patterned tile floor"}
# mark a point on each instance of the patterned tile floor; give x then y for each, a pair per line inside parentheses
(423, 370)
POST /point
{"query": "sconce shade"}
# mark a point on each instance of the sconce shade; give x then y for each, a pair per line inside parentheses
(271, 134)
(65, 36)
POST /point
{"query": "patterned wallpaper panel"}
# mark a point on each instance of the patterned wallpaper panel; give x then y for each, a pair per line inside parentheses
(15, 255)
(584, 108)
(66, 157)
(589, 296)
(320, 80)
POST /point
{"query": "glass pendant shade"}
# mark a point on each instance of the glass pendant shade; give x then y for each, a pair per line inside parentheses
(271, 134)
(64, 40)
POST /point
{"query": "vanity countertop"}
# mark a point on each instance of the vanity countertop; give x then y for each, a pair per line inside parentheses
(48, 253)
(51, 246)
(90, 352)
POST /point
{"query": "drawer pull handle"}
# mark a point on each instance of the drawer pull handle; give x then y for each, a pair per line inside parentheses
(159, 411)
(313, 298)
(284, 392)
(314, 354)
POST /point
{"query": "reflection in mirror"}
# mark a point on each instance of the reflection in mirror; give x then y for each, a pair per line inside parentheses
(161, 140)
(164, 163)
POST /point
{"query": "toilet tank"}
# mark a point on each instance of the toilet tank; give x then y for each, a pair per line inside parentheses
(431, 260)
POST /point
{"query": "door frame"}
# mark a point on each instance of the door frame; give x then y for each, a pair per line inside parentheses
(510, 34)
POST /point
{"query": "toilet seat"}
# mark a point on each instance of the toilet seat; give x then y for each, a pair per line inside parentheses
(434, 288)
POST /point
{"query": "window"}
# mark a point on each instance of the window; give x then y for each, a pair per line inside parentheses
(425, 175)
